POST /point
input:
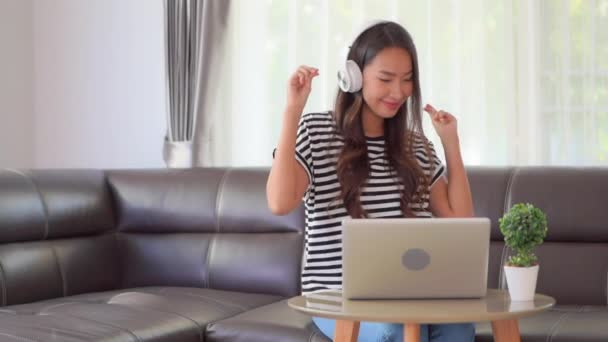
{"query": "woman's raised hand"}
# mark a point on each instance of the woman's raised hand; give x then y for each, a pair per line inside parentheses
(299, 87)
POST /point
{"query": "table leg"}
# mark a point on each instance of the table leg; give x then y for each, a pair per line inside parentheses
(411, 332)
(506, 331)
(346, 331)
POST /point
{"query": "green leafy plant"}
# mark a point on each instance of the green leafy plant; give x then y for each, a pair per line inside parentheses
(523, 227)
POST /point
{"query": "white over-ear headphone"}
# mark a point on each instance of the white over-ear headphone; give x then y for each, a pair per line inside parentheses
(350, 77)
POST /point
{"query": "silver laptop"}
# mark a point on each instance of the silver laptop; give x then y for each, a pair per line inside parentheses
(415, 258)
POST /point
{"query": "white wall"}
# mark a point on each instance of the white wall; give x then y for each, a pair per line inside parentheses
(98, 84)
(16, 77)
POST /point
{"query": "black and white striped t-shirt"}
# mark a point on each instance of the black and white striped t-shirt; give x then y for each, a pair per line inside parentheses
(317, 147)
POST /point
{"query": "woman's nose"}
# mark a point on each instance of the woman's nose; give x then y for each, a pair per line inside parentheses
(397, 91)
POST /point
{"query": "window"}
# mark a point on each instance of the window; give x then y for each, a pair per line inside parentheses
(528, 80)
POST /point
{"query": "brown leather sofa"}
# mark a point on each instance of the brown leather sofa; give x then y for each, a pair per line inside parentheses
(574, 257)
(195, 255)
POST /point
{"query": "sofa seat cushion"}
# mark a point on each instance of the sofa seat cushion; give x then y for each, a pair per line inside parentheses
(269, 323)
(562, 323)
(54, 328)
(149, 313)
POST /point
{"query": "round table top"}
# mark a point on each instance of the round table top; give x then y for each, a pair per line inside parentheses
(496, 305)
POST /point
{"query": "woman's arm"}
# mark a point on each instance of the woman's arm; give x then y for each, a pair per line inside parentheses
(452, 198)
(287, 181)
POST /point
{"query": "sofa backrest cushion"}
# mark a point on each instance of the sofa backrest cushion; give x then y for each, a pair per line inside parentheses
(205, 227)
(56, 234)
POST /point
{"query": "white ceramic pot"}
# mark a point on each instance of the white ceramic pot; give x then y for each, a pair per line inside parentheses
(521, 282)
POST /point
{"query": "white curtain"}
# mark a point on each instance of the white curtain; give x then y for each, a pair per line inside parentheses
(528, 80)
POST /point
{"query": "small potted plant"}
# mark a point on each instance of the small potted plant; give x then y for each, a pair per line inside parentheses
(523, 227)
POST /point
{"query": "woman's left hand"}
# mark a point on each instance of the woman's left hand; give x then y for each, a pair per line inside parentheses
(445, 124)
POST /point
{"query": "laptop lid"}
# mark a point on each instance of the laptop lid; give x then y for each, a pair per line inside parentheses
(415, 258)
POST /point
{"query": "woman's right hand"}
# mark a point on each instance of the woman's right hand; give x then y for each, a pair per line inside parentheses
(299, 87)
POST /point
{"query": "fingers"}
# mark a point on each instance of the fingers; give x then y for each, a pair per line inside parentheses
(442, 117)
(305, 75)
(310, 71)
(432, 112)
(438, 116)
(430, 109)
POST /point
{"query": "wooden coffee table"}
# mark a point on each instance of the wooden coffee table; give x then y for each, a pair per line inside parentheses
(496, 307)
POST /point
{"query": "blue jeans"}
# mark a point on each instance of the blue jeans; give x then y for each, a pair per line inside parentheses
(393, 332)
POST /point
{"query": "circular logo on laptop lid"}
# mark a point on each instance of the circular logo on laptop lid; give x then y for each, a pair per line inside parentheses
(415, 259)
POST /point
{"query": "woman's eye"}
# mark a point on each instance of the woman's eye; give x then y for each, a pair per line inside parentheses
(384, 80)
(408, 80)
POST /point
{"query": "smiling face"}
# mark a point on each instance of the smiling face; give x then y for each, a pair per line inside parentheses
(387, 82)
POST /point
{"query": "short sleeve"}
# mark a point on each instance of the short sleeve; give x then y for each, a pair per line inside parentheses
(304, 148)
(438, 169)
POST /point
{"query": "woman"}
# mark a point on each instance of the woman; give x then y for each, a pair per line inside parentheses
(366, 158)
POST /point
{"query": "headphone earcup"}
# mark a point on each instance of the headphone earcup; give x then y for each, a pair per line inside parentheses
(343, 80)
(350, 78)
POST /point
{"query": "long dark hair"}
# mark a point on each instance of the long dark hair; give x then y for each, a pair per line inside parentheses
(400, 131)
